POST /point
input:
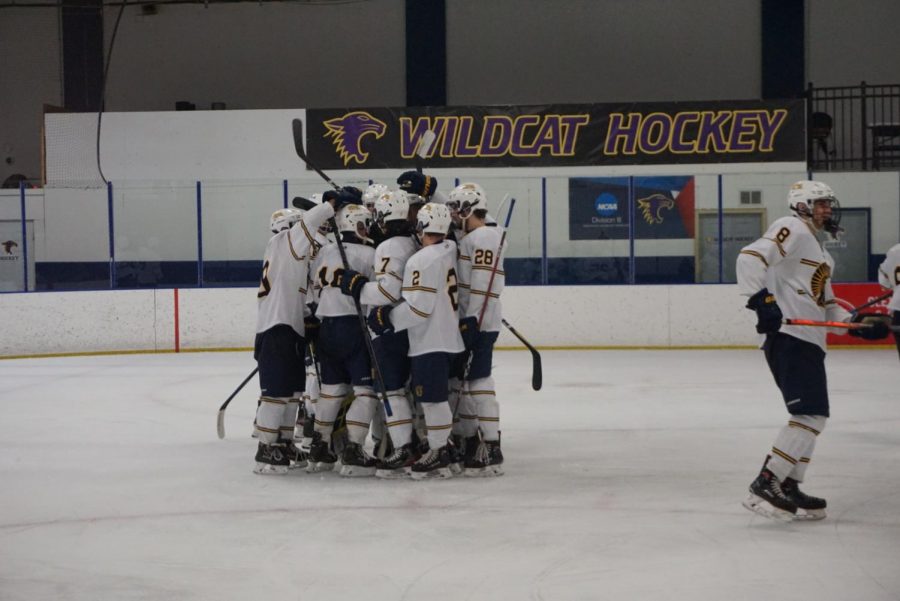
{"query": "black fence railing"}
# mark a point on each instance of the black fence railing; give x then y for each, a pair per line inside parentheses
(853, 128)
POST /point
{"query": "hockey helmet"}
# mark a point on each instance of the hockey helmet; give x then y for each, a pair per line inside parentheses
(283, 219)
(351, 217)
(433, 218)
(467, 198)
(392, 205)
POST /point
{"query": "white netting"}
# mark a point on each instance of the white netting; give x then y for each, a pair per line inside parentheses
(70, 143)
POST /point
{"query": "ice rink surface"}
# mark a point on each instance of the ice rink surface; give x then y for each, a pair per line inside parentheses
(624, 478)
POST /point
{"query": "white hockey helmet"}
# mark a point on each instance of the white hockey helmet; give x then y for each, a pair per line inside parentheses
(351, 216)
(392, 205)
(372, 193)
(803, 195)
(283, 219)
(467, 198)
(433, 218)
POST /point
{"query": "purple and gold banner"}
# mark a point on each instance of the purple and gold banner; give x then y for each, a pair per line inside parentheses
(757, 131)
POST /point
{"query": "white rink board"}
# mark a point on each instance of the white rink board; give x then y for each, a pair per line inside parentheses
(216, 318)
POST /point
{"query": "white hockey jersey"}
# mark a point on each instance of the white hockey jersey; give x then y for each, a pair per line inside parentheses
(329, 268)
(390, 261)
(479, 251)
(430, 307)
(889, 275)
(790, 261)
(284, 283)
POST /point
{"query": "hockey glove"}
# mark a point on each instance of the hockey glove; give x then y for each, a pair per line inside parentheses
(468, 329)
(768, 313)
(348, 195)
(352, 283)
(414, 182)
(380, 320)
(311, 328)
(878, 326)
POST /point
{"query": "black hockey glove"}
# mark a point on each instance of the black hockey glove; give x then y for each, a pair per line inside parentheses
(417, 183)
(348, 195)
(352, 283)
(878, 326)
(468, 329)
(380, 320)
(311, 328)
(768, 313)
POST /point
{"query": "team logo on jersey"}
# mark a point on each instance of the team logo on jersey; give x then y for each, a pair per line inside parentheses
(819, 281)
(348, 132)
(652, 207)
(8, 246)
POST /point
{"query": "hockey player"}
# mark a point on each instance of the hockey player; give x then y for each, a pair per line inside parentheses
(791, 260)
(481, 280)
(279, 340)
(889, 277)
(342, 351)
(391, 348)
(372, 193)
(429, 313)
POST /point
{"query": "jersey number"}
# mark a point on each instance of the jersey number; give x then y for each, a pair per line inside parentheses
(264, 286)
(484, 257)
(335, 279)
(782, 235)
(453, 289)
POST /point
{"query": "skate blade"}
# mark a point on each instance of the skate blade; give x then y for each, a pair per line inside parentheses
(397, 474)
(265, 469)
(766, 509)
(356, 471)
(809, 515)
(441, 472)
(298, 465)
(456, 468)
(317, 467)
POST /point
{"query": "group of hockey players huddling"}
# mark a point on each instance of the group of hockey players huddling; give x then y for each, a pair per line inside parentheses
(420, 274)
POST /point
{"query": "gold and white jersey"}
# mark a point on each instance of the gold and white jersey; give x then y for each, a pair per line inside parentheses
(889, 275)
(479, 251)
(329, 268)
(430, 307)
(283, 287)
(790, 261)
(390, 262)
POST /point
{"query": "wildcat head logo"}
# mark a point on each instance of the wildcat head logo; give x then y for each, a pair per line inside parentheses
(653, 205)
(348, 133)
(8, 246)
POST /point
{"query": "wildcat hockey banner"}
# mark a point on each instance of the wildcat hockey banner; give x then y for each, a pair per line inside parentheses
(756, 131)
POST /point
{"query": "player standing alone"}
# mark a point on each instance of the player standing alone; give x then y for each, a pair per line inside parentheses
(791, 259)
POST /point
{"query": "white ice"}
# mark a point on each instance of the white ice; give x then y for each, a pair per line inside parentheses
(624, 478)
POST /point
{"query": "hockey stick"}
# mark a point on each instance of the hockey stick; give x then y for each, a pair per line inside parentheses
(422, 147)
(537, 374)
(874, 301)
(303, 203)
(367, 336)
(826, 324)
(220, 420)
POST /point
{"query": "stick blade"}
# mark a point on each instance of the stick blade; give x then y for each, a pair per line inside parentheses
(303, 203)
(425, 143)
(297, 125)
(220, 424)
(537, 374)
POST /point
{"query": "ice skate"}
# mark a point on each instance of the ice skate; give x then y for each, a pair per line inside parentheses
(321, 459)
(768, 499)
(355, 462)
(397, 464)
(435, 463)
(271, 459)
(808, 507)
(297, 456)
(456, 445)
(486, 461)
